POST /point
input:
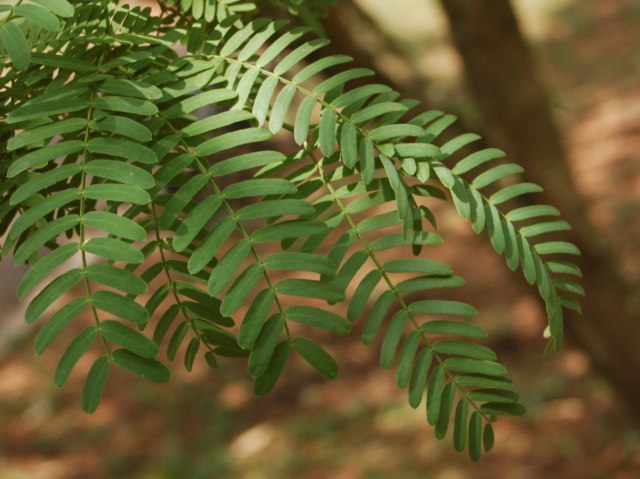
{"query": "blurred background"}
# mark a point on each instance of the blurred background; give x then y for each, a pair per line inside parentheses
(555, 83)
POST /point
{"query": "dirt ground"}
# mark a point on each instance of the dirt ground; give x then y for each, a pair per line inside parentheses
(208, 424)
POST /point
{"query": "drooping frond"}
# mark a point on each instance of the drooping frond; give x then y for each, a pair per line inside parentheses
(196, 236)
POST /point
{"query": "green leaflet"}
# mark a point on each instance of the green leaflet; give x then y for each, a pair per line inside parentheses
(200, 100)
(317, 357)
(38, 15)
(362, 294)
(375, 110)
(289, 229)
(392, 338)
(41, 133)
(266, 381)
(195, 221)
(117, 278)
(165, 322)
(483, 381)
(440, 306)
(214, 122)
(122, 148)
(387, 132)
(299, 54)
(94, 384)
(39, 271)
(556, 247)
(407, 357)
(40, 181)
(464, 348)
(190, 353)
(349, 144)
(73, 353)
(43, 235)
(460, 425)
(114, 250)
(255, 318)
(265, 346)
(238, 38)
(244, 87)
(367, 160)
(245, 162)
(121, 171)
(318, 318)
(307, 288)
(503, 409)
(123, 126)
(180, 199)
(231, 140)
(240, 289)
(62, 8)
(476, 159)
(210, 245)
(54, 290)
(318, 66)
(275, 208)
(150, 369)
(488, 438)
(494, 174)
(434, 394)
(301, 262)
(73, 63)
(280, 108)
(395, 240)
(428, 282)
(59, 321)
(328, 131)
(475, 436)
(262, 100)
(340, 79)
(303, 118)
(39, 108)
(376, 316)
(118, 193)
(128, 338)
(15, 44)
(513, 191)
(114, 224)
(228, 266)
(131, 88)
(446, 406)
(417, 150)
(122, 104)
(418, 265)
(41, 157)
(494, 394)
(259, 187)
(419, 377)
(359, 94)
(475, 366)
(120, 306)
(35, 214)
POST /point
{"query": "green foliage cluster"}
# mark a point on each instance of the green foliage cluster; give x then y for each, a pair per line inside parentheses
(146, 190)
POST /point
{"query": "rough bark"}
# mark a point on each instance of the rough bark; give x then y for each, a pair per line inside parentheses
(502, 76)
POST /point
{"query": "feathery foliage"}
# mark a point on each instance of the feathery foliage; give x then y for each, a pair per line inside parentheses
(144, 184)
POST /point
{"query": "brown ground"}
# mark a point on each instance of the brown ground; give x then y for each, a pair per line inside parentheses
(208, 425)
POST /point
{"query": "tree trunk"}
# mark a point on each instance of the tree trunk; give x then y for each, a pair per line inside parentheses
(502, 76)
